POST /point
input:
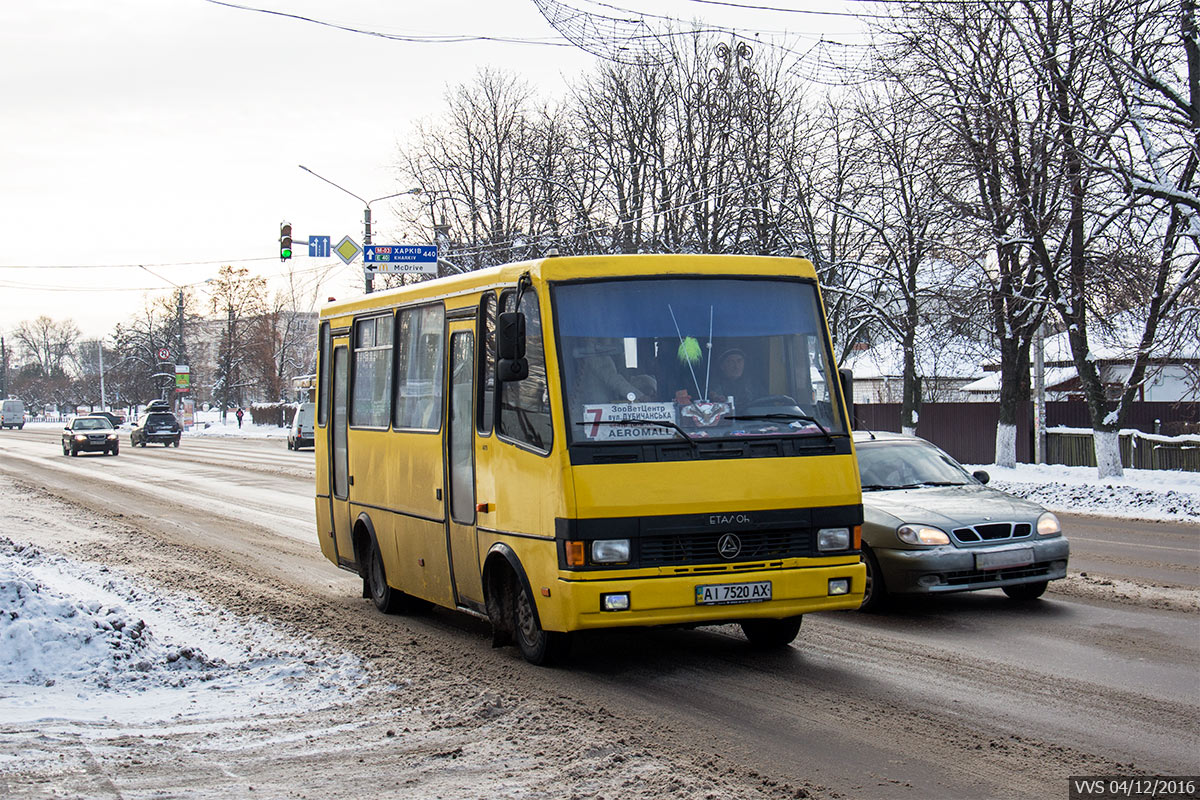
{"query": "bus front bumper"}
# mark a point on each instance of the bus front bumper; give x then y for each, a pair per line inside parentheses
(676, 599)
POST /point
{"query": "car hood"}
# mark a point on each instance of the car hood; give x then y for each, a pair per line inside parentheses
(946, 507)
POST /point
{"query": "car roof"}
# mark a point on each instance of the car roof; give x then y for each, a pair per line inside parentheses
(861, 436)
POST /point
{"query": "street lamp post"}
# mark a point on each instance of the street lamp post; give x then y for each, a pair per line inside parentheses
(368, 273)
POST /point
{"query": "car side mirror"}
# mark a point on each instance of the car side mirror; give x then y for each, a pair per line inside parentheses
(981, 476)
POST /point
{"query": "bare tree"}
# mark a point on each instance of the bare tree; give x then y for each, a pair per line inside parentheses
(238, 296)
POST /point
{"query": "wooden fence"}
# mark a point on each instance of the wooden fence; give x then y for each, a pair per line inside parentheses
(967, 431)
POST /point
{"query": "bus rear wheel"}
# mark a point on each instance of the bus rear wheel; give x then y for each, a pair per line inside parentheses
(771, 634)
(386, 599)
(539, 647)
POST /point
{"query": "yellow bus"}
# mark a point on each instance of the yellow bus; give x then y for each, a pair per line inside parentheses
(590, 442)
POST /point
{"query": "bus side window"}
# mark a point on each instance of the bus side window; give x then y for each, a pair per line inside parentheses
(419, 354)
(525, 405)
(324, 354)
(487, 363)
(372, 370)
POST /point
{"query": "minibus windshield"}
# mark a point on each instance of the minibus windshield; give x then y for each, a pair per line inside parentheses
(705, 357)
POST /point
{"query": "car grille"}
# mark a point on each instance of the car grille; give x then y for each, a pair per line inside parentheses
(967, 577)
(674, 550)
(992, 532)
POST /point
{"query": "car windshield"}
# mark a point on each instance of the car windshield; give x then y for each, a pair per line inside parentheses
(90, 424)
(160, 419)
(660, 358)
(904, 465)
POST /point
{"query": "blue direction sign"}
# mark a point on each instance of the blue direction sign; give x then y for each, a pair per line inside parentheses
(318, 247)
(401, 257)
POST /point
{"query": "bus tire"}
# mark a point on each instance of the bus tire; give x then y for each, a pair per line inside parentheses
(771, 634)
(386, 599)
(540, 647)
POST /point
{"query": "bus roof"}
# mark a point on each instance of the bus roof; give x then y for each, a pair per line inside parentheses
(558, 268)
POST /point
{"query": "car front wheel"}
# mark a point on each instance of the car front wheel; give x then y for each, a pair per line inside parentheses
(875, 593)
(1026, 591)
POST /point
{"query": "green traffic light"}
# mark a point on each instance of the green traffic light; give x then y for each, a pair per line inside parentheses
(285, 252)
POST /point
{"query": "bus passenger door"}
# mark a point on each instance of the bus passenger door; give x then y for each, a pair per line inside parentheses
(460, 467)
(339, 468)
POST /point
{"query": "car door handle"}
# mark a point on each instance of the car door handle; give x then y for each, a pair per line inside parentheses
(351, 480)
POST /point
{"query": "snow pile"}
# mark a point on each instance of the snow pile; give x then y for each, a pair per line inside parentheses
(1164, 495)
(82, 642)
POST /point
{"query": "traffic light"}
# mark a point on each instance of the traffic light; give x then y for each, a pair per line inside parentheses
(285, 241)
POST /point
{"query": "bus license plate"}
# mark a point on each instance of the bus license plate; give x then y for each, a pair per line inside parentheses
(721, 594)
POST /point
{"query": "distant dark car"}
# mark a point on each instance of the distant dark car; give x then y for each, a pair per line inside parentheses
(91, 434)
(116, 419)
(931, 527)
(156, 426)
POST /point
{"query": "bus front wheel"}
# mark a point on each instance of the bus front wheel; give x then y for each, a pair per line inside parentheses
(538, 646)
(771, 634)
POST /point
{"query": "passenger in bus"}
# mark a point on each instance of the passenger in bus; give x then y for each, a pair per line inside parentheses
(600, 381)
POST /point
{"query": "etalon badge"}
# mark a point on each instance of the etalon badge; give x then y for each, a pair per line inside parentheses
(705, 413)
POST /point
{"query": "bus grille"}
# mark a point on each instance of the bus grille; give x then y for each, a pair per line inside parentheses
(673, 550)
(993, 531)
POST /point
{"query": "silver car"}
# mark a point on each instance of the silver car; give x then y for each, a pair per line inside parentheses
(931, 527)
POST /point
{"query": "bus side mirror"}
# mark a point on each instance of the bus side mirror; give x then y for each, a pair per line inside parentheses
(511, 364)
(846, 378)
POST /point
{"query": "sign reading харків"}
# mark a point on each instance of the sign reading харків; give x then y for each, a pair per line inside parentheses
(401, 257)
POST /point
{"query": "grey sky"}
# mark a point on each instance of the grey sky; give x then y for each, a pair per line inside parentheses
(168, 133)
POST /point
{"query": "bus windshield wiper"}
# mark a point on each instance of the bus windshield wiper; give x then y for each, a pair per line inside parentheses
(782, 416)
(658, 423)
(942, 483)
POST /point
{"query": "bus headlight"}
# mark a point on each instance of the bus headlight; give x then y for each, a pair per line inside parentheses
(610, 551)
(833, 539)
(921, 534)
(1048, 525)
(839, 586)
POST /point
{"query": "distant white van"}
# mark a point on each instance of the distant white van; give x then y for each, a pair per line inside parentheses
(301, 433)
(12, 413)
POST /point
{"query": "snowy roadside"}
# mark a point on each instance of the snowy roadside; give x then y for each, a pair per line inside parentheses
(1156, 495)
(85, 643)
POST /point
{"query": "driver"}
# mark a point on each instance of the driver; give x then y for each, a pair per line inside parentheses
(732, 382)
(729, 382)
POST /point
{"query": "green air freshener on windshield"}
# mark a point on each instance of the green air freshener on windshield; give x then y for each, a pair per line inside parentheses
(689, 350)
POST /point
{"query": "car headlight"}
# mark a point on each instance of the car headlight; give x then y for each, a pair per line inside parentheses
(79, 437)
(610, 551)
(112, 436)
(1047, 525)
(921, 534)
(833, 539)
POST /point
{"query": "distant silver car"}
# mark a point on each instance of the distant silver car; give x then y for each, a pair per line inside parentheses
(931, 527)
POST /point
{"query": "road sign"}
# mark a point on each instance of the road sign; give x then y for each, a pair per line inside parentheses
(164, 354)
(318, 247)
(347, 249)
(401, 257)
